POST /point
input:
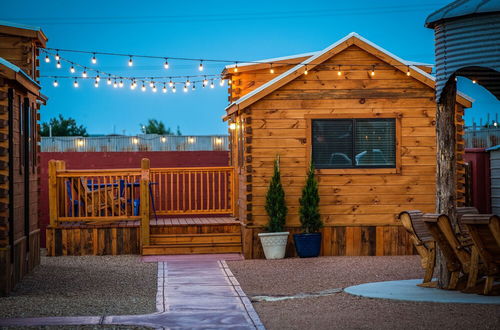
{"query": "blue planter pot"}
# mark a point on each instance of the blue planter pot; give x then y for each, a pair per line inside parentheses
(307, 245)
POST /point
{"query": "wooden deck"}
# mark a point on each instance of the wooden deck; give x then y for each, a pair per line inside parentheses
(168, 236)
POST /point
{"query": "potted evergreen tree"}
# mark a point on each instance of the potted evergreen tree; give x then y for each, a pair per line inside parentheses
(275, 239)
(308, 244)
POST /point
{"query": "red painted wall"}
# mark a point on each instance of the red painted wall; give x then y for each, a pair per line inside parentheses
(480, 166)
(108, 160)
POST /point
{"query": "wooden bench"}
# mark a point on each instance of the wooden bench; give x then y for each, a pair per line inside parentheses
(423, 241)
(484, 230)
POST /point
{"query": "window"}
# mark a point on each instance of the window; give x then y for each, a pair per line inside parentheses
(354, 143)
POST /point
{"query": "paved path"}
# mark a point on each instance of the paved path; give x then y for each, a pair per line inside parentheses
(192, 294)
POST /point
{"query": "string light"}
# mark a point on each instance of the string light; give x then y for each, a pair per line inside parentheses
(166, 66)
(98, 78)
(120, 84)
(143, 88)
(57, 57)
(373, 70)
(229, 81)
(164, 89)
(200, 67)
(205, 82)
(58, 64)
(94, 60)
(272, 69)
(474, 81)
(55, 83)
(96, 83)
(72, 69)
(154, 89)
(133, 85)
(212, 84)
(151, 83)
(115, 84)
(339, 72)
(109, 80)
(408, 71)
(174, 89)
(130, 61)
(305, 71)
(170, 83)
(221, 83)
(188, 82)
(185, 89)
(75, 83)
(47, 59)
(194, 87)
(235, 67)
(84, 73)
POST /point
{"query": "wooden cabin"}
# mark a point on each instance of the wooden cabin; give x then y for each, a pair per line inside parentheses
(20, 100)
(364, 117)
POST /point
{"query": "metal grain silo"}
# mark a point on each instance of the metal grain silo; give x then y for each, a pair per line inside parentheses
(468, 43)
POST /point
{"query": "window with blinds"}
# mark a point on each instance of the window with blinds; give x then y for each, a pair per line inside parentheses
(354, 143)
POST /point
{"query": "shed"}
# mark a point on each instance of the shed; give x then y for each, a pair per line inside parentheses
(495, 178)
(366, 119)
(20, 101)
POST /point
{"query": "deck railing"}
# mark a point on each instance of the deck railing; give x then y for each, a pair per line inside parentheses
(136, 194)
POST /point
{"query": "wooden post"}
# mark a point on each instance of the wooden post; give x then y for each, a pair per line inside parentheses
(234, 186)
(446, 167)
(53, 196)
(144, 187)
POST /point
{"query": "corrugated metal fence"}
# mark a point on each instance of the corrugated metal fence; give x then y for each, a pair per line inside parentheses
(481, 138)
(146, 142)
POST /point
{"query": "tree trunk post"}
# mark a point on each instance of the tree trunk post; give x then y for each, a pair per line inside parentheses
(446, 167)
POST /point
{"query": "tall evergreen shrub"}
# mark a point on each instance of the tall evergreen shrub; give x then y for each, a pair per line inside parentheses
(310, 219)
(275, 201)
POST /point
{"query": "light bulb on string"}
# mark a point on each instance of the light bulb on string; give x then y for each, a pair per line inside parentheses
(165, 65)
(194, 87)
(84, 73)
(212, 84)
(185, 89)
(154, 89)
(72, 69)
(58, 64)
(170, 83)
(229, 81)
(235, 67)
(205, 81)
(174, 89)
(96, 83)
(143, 87)
(75, 83)
(221, 83)
(120, 84)
(55, 83)
(97, 77)
(151, 83)
(57, 57)
(188, 82)
(130, 61)
(306, 71)
(271, 70)
(373, 70)
(339, 72)
(47, 59)
(200, 67)
(408, 71)
(164, 89)
(115, 84)
(94, 60)
(474, 81)
(109, 80)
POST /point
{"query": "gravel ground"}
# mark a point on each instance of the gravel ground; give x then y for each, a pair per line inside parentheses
(84, 286)
(343, 311)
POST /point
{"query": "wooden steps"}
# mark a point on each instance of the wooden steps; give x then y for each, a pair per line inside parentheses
(195, 238)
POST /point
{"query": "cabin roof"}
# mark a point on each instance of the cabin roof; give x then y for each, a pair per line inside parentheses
(462, 8)
(22, 30)
(321, 56)
(13, 72)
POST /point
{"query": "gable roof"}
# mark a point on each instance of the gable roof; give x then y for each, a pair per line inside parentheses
(22, 30)
(319, 57)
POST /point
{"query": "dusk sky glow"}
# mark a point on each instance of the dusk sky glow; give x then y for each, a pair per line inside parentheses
(235, 30)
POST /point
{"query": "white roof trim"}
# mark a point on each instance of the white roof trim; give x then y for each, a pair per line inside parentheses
(276, 59)
(17, 70)
(317, 54)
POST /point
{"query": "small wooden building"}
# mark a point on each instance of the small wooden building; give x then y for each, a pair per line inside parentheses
(20, 100)
(366, 119)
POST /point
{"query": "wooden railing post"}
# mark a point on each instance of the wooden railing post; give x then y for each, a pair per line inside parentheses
(53, 196)
(234, 192)
(144, 192)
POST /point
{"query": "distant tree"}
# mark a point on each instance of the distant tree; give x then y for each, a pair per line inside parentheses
(63, 127)
(158, 127)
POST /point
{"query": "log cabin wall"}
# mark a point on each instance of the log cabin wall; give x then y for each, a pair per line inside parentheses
(19, 147)
(359, 207)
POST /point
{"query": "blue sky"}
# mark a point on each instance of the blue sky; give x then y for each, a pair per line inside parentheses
(236, 30)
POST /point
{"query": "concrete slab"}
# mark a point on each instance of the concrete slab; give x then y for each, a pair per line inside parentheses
(407, 290)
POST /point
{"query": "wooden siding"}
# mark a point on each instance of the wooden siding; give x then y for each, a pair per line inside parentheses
(277, 124)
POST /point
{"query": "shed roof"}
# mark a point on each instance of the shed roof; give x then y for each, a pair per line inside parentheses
(321, 56)
(22, 30)
(461, 8)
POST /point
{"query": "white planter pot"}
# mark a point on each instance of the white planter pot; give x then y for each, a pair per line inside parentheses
(274, 244)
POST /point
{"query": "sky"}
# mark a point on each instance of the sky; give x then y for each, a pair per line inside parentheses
(233, 30)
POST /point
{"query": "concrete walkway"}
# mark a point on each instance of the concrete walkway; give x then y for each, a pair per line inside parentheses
(192, 293)
(407, 290)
